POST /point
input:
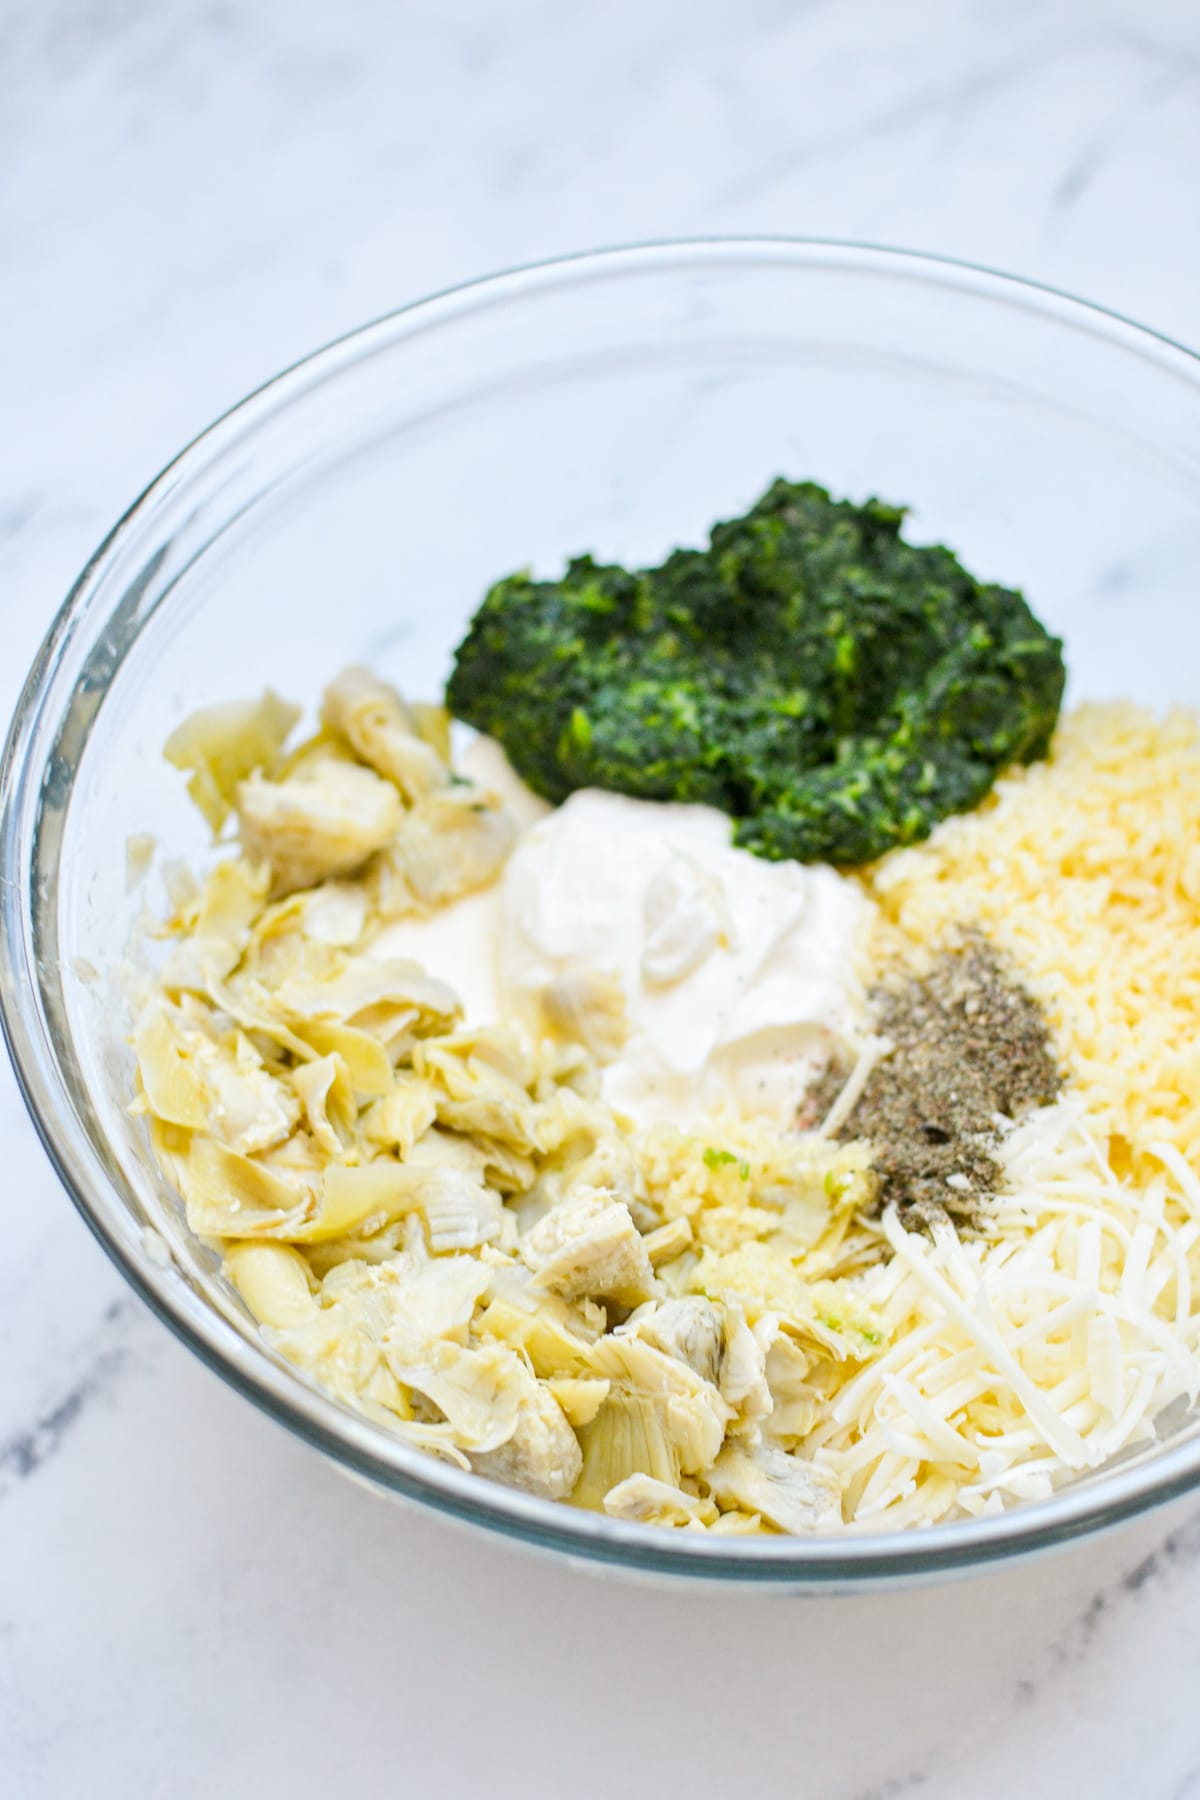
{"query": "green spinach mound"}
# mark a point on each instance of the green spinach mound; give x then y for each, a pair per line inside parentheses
(834, 689)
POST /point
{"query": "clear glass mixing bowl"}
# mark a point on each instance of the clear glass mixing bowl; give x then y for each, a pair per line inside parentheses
(356, 508)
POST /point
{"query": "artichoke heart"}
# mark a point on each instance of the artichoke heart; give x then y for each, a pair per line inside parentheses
(440, 1219)
(589, 1245)
(451, 843)
(380, 729)
(651, 1502)
(275, 1282)
(326, 819)
(793, 1495)
(541, 1455)
(221, 745)
(628, 1436)
(692, 1330)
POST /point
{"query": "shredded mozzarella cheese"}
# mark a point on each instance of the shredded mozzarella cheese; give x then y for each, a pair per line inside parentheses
(1021, 1360)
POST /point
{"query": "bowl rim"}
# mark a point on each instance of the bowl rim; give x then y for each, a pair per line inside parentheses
(363, 1448)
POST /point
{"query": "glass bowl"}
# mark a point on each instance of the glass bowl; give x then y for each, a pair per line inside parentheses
(357, 506)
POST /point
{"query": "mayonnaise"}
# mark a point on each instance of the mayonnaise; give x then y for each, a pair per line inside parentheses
(457, 944)
(739, 976)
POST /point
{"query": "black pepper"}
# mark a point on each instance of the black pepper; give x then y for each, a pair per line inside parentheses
(970, 1050)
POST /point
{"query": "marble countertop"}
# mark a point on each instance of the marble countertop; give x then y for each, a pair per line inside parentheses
(192, 193)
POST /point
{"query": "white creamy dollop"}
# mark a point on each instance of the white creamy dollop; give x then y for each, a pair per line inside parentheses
(739, 975)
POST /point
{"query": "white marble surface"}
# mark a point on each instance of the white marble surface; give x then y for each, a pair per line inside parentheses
(193, 192)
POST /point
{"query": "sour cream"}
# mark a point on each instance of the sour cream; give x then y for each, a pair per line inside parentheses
(739, 977)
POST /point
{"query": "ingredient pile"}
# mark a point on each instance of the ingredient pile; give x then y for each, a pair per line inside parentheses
(653, 1122)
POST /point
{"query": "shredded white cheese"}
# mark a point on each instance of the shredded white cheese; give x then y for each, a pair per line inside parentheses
(1022, 1360)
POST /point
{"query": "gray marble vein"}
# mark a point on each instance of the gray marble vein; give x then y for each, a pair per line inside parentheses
(102, 1359)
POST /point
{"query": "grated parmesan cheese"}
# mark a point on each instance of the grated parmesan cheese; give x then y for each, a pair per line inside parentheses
(1086, 869)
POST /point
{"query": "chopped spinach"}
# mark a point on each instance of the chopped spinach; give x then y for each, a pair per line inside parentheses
(833, 688)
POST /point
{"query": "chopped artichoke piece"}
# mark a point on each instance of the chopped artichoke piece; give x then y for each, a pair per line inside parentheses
(485, 1095)
(328, 819)
(554, 1344)
(195, 1075)
(439, 1149)
(668, 1241)
(586, 1007)
(327, 1092)
(737, 1524)
(402, 1117)
(694, 1415)
(284, 934)
(589, 1245)
(221, 745)
(379, 728)
(360, 1198)
(214, 925)
(433, 725)
(251, 1006)
(479, 1391)
(500, 1118)
(312, 753)
(382, 1246)
(274, 1281)
(367, 1062)
(542, 1456)
(335, 913)
(437, 1302)
(233, 1196)
(651, 1502)
(579, 1397)
(796, 1400)
(628, 1436)
(555, 1336)
(744, 1368)
(460, 1211)
(372, 1315)
(339, 1345)
(467, 1057)
(229, 1195)
(692, 1330)
(389, 997)
(792, 1495)
(506, 1170)
(251, 1110)
(169, 1066)
(450, 844)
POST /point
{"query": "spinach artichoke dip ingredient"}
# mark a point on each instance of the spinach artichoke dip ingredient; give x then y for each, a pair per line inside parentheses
(833, 689)
(699, 977)
(425, 1191)
(969, 1050)
(440, 1217)
(730, 981)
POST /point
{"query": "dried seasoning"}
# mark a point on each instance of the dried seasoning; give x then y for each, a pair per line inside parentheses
(970, 1050)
